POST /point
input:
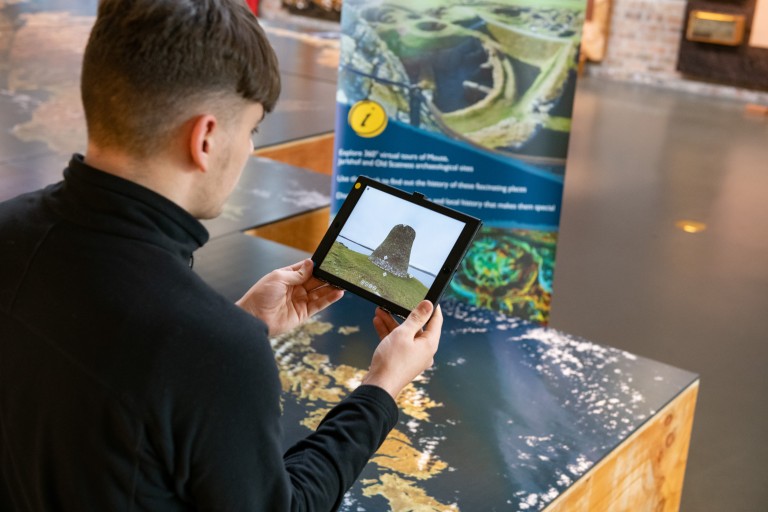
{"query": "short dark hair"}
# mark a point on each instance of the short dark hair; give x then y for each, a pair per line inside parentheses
(148, 61)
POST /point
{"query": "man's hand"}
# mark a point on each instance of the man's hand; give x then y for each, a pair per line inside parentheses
(405, 350)
(286, 297)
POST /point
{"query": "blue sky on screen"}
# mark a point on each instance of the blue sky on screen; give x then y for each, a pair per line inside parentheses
(376, 213)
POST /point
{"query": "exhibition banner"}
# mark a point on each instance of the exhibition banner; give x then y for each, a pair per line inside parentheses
(470, 103)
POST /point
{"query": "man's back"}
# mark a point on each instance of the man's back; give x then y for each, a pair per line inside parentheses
(110, 371)
(126, 383)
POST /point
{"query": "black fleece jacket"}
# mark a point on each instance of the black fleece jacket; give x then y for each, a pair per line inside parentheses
(128, 384)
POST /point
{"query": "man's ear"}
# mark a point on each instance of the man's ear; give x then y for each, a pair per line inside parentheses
(201, 140)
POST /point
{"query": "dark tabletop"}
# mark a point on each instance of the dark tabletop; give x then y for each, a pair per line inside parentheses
(268, 191)
(510, 416)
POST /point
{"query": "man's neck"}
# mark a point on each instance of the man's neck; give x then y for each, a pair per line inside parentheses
(159, 175)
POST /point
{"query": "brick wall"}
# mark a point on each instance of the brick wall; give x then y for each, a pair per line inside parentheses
(643, 44)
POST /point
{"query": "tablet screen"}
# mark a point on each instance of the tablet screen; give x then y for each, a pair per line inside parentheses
(393, 246)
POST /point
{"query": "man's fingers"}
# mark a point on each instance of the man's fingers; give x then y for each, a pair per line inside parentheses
(323, 298)
(389, 322)
(314, 283)
(381, 328)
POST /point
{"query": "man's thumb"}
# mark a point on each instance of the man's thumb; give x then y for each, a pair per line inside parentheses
(419, 316)
(300, 275)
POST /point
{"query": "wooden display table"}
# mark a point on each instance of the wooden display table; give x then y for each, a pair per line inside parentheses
(512, 416)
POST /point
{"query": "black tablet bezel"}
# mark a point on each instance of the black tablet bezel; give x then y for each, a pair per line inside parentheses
(471, 226)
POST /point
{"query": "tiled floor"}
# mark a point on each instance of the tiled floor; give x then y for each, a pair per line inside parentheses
(641, 159)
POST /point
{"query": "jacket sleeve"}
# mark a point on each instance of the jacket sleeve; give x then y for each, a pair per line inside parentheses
(325, 464)
(231, 447)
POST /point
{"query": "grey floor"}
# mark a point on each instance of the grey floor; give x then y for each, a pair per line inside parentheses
(640, 160)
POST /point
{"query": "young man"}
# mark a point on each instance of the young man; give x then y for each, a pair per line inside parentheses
(126, 383)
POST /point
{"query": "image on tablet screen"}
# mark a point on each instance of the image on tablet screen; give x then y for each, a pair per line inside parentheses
(392, 248)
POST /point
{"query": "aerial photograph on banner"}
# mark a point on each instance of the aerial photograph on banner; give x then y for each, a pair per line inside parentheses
(498, 75)
(470, 103)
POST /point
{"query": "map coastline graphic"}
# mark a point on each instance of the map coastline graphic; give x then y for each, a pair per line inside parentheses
(509, 417)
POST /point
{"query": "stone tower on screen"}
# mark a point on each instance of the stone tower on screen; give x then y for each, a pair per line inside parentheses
(394, 253)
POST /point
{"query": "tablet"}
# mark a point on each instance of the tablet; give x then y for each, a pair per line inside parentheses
(393, 248)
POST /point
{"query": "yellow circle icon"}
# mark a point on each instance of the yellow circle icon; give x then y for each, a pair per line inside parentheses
(367, 118)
